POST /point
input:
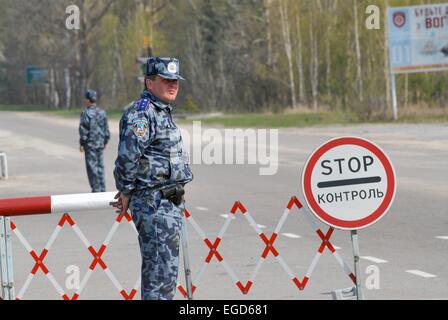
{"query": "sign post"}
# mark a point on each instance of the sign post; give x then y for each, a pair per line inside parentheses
(6, 267)
(394, 96)
(358, 285)
(349, 184)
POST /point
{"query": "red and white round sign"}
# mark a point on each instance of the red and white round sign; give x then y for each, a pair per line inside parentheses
(349, 183)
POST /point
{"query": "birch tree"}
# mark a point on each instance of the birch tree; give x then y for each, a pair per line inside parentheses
(283, 7)
(359, 79)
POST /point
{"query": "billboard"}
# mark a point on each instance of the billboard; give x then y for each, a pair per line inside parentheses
(418, 38)
(36, 75)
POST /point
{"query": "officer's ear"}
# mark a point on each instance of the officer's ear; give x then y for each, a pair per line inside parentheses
(147, 83)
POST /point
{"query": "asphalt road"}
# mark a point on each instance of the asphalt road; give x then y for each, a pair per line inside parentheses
(407, 249)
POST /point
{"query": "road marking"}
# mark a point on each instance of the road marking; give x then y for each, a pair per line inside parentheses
(442, 237)
(373, 259)
(201, 209)
(291, 235)
(261, 226)
(421, 273)
(225, 216)
(337, 248)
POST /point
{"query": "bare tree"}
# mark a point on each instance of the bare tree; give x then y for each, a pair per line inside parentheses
(358, 53)
(314, 64)
(299, 57)
(283, 6)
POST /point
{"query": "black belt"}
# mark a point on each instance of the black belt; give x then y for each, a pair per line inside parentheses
(175, 194)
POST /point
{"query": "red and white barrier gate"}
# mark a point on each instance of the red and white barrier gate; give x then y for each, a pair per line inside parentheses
(59, 204)
(268, 242)
(84, 202)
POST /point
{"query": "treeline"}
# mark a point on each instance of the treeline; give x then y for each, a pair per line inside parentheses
(237, 56)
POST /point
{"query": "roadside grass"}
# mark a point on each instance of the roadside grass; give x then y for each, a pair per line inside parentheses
(307, 118)
(67, 113)
(279, 120)
(287, 119)
(419, 114)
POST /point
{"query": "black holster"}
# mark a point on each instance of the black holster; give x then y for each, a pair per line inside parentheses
(175, 194)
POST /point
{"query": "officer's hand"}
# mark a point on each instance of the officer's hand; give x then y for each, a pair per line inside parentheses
(81, 149)
(121, 204)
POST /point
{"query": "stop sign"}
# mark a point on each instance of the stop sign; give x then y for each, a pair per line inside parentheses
(349, 183)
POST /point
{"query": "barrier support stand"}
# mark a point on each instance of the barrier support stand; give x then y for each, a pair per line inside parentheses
(6, 265)
(355, 243)
(188, 281)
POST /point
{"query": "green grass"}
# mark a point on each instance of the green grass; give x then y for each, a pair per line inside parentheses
(423, 118)
(68, 113)
(281, 120)
(267, 120)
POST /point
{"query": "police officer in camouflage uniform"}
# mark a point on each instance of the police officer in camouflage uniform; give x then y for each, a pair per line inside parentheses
(94, 136)
(150, 172)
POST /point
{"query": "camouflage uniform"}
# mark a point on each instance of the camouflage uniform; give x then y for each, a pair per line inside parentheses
(151, 157)
(94, 135)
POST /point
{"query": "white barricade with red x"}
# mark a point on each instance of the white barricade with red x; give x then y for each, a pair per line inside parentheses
(58, 204)
(269, 243)
(97, 261)
(40, 205)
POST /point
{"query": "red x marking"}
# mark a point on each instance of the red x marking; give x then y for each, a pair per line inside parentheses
(326, 240)
(97, 257)
(39, 261)
(213, 250)
(269, 245)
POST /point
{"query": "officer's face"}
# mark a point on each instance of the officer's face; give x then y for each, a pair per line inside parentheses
(164, 89)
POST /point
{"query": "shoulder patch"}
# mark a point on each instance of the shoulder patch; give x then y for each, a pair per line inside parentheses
(140, 127)
(142, 104)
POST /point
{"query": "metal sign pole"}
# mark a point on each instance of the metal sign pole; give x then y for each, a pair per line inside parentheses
(9, 258)
(3, 261)
(188, 281)
(394, 96)
(355, 243)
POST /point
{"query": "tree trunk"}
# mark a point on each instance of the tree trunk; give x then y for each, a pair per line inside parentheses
(68, 90)
(288, 49)
(267, 13)
(406, 90)
(358, 53)
(332, 9)
(302, 94)
(314, 64)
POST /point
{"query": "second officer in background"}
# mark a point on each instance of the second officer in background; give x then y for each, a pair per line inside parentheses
(94, 136)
